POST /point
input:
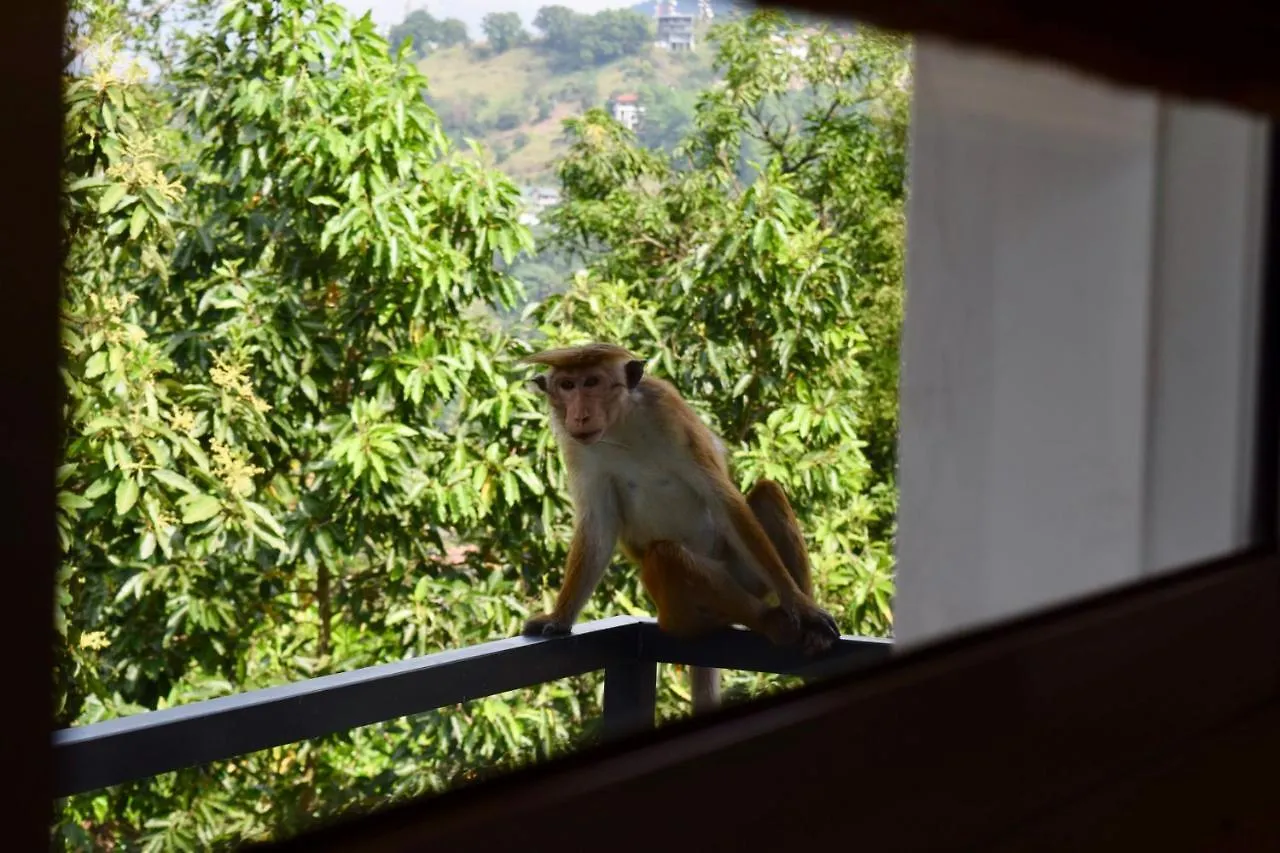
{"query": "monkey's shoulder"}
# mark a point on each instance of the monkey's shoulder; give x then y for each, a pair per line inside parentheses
(656, 392)
(681, 425)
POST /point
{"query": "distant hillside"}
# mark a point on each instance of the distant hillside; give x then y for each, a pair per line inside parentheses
(514, 102)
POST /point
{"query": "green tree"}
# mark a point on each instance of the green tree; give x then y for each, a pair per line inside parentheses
(615, 33)
(558, 25)
(420, 28)
(578, 41)
(451, 32)
(427, 32)
(504, 31)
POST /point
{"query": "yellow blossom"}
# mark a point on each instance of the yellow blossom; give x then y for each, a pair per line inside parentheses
(231, 378)
(182, 419)
(233, 470)
(94, 640)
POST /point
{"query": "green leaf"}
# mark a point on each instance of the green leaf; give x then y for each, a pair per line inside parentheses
(99, 488)
(126, 495)
(175, 480)
(138, 221)
(197, 508)
(531, 480)
(111, 197)
(96, 365)
(87, 183)
(70, 501)
(148, 545)
(267, 518)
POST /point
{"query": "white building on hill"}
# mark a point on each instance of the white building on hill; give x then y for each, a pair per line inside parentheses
(626, 110)
(675, 31)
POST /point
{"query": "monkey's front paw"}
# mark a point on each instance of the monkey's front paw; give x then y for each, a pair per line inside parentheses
(818, 629)
(546, 625)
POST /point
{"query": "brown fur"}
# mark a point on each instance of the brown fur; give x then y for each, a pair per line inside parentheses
(569, 358)
(648, 475)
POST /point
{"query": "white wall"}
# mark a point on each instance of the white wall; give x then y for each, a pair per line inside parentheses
(1075, 398)
(1208, 248)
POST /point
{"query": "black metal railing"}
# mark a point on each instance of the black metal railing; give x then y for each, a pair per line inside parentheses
(627, 649)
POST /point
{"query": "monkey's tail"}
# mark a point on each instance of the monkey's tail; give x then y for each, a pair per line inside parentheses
(704, 684)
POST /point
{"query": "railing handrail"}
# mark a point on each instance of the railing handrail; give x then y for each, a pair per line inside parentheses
(627, 648)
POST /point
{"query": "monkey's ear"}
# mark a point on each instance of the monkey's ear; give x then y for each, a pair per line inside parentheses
(635, 370)
(541, 381)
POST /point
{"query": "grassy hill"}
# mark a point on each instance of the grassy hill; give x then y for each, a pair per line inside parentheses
(514, 102)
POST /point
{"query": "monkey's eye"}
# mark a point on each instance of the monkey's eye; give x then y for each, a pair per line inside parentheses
(591, 382)
(566, 384)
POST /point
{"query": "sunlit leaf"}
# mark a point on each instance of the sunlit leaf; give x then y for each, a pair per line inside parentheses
(197, 508)
(126, 495)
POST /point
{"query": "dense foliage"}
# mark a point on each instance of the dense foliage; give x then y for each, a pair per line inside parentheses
(297, 441)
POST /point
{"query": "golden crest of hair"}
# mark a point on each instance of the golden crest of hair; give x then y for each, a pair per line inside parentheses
(579, 356)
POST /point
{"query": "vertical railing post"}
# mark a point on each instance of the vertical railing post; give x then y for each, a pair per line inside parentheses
(630, 697)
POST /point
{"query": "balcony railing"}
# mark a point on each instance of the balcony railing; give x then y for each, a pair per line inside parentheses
(627, 649)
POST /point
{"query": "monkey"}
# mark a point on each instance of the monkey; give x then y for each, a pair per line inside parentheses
(646, 475)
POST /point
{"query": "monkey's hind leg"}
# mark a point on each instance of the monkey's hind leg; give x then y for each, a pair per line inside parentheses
(694, 598)
(771, 508)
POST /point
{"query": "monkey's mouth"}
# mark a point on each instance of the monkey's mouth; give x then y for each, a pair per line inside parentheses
(590, 437)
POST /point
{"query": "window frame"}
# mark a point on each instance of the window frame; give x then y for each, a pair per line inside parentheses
(952, 717)
(30, 388)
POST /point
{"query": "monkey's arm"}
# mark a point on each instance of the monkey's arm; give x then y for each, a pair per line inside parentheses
(595, 536)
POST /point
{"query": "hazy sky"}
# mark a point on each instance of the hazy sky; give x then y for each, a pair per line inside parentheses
(472, 11)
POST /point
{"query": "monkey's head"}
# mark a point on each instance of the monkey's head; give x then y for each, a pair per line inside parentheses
(588, 387)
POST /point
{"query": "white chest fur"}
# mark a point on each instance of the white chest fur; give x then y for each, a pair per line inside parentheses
(654, 501)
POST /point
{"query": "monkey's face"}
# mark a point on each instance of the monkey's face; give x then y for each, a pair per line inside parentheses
(587, 401)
